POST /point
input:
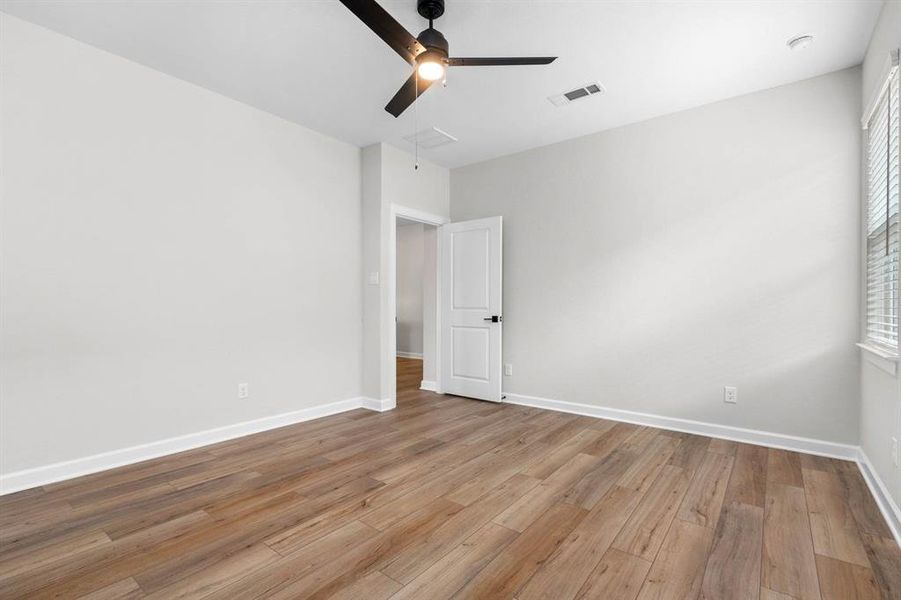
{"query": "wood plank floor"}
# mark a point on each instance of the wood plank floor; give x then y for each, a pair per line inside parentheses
(452, 498)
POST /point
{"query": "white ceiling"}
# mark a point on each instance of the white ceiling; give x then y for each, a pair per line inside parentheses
(314, 63)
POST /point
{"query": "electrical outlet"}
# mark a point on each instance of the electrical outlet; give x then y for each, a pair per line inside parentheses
(508, 370)
(243, 391)
(895, 452)
(730, 395)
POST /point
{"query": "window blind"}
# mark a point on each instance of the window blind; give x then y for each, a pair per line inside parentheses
(883, 234)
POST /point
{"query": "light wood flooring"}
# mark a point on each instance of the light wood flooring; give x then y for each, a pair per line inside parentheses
(452, 498)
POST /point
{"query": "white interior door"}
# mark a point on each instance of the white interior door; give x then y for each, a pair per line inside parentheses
(471, 319)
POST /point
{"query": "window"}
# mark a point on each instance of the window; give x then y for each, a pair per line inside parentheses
(883, 236)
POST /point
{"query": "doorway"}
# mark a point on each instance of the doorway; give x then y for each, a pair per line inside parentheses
(462, 321)
(416, 297)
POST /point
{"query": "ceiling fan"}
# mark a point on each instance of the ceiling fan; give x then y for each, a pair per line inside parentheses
(427, 53)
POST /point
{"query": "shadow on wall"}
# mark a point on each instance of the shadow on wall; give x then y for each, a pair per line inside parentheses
(671, 326)
(734, 261)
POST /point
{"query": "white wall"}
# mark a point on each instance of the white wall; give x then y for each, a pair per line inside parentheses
(372, 209)
(426, 188)
(646, 267)
(880, 393)
(886, 37)
(409, 296)
(160, 244)
(389, 178)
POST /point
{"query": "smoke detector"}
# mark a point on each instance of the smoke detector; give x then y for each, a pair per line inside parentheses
(586, 91)
(431, 138)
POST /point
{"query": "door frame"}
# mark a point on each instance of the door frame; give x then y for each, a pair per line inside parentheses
(390, 349)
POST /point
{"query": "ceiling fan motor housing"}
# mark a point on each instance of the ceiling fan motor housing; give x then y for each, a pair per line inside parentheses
(430, 9)
(435, 43)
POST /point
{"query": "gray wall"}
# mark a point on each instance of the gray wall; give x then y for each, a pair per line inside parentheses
(646, 267)
(161, 244)
(880, 394)
(409, 296)
(430, 305)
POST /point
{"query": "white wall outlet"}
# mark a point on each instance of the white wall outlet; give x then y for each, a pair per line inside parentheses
(243, 391)
(895, 457)
(374, 278)
(508, 369)
(730, 395)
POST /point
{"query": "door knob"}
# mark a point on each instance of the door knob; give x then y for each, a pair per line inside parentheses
(494, 319)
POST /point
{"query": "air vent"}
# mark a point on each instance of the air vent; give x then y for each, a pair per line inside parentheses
(577, 94)
(431, 138)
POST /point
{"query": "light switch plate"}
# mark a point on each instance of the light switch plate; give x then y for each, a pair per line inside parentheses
(374, 278)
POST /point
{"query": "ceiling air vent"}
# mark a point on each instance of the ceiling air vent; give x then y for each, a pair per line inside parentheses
(431, 138)
(577, 94)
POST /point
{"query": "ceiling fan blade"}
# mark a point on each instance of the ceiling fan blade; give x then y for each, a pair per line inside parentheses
(386, 27)
(406, 95)
(500, 62)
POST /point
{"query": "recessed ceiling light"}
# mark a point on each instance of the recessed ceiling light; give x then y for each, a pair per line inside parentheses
(800, 42)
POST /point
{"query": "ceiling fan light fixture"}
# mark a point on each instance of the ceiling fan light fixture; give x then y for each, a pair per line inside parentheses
(431, 71)
(430, 65)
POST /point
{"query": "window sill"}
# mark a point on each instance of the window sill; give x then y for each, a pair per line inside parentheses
(882, 358)
(880, 352)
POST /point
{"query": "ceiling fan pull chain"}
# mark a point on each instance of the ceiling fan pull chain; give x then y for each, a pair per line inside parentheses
(416, 118)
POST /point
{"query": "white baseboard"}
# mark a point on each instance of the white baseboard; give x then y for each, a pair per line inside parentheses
(726, 432)
(29, 478)
(379, 405)
(416, 355)
(429, 386)
(887, 505)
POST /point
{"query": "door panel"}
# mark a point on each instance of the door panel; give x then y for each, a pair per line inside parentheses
(471, 271)
(470, 268)
(470, 347)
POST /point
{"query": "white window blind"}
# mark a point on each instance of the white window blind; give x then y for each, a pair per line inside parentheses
(883, 235)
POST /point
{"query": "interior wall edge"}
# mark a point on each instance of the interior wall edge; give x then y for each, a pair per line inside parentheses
(17, 481)
(879, 490)
(382, 405)
(727, 432)
(887, 506)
